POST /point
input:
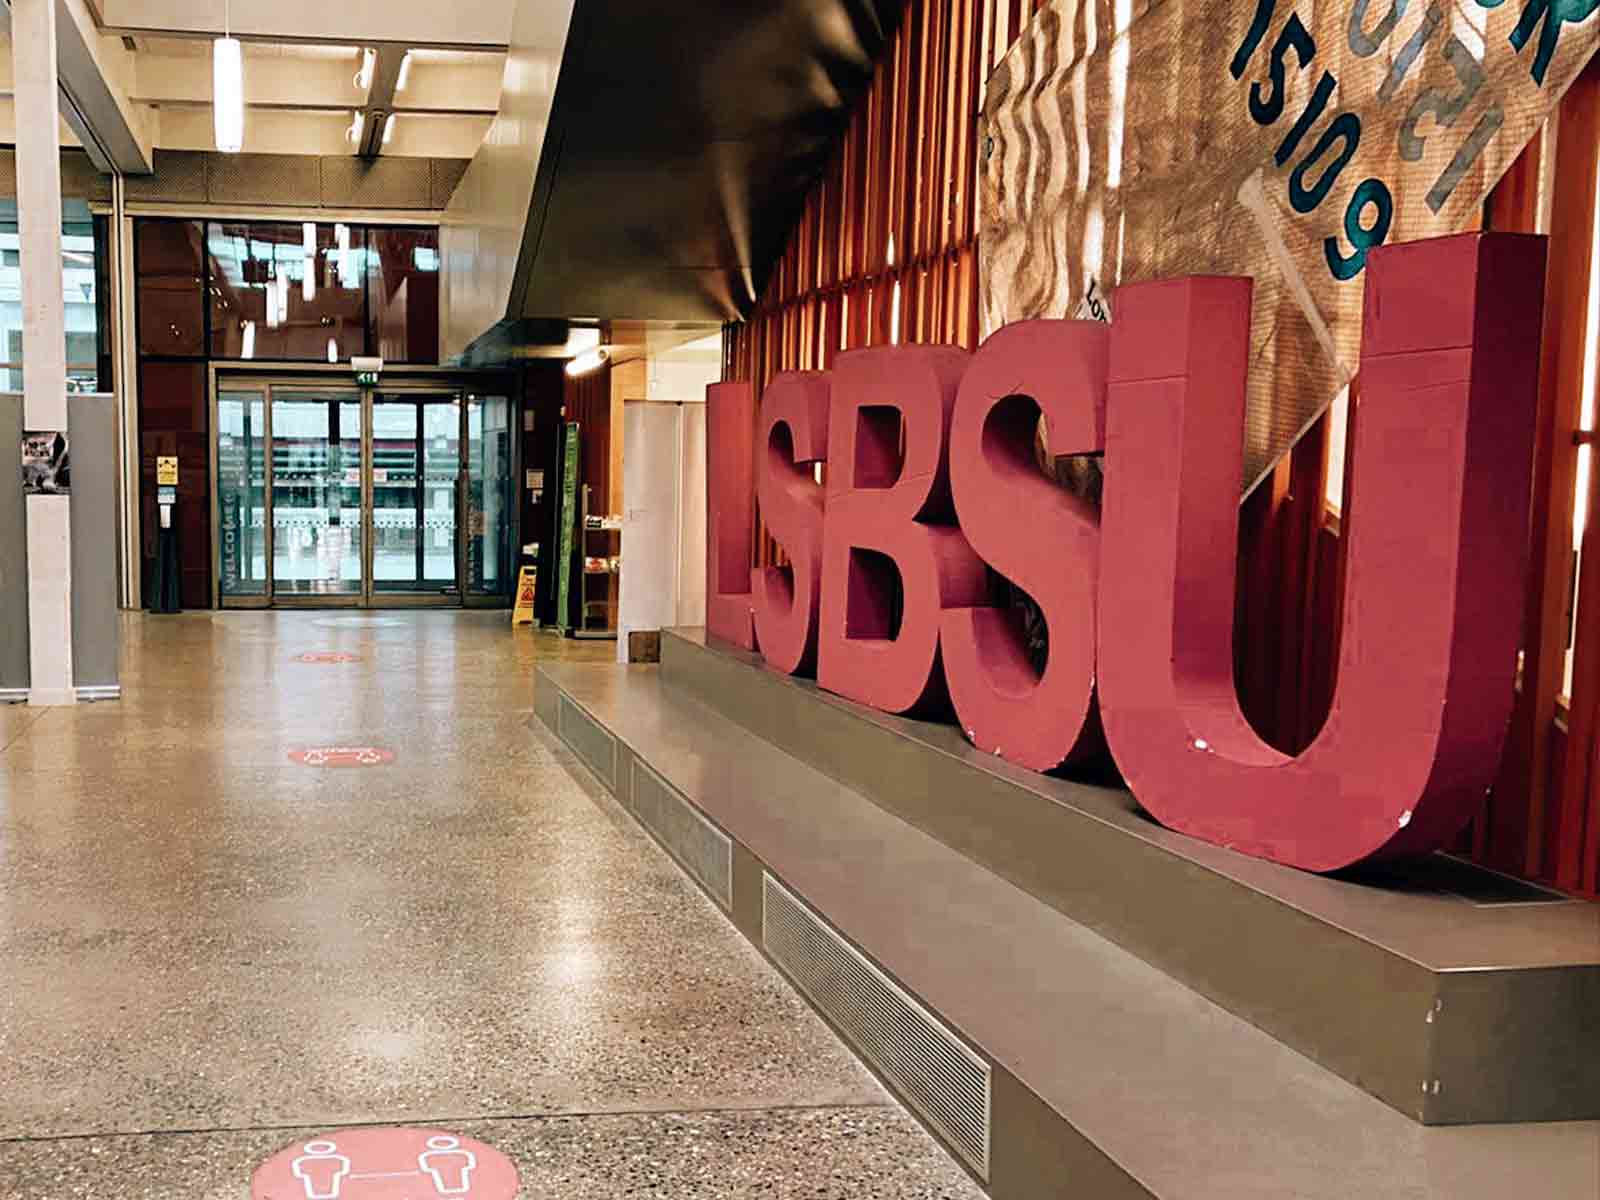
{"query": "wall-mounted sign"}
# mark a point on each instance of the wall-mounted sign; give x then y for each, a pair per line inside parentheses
(46, 464)
(1261, 138)
(167, 470)
(887, 594)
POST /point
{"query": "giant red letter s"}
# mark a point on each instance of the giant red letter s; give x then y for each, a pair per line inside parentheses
(1442, 449)
(892, 556)
(793, 435)
(1035, 533)
(730, 511)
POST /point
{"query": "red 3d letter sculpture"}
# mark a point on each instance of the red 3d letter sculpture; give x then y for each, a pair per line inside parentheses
(730, 511)
(1007, 707)
(1443, 440)
(793, 436)
(892, 557)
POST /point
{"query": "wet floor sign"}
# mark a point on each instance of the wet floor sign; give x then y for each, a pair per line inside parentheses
(523, 613)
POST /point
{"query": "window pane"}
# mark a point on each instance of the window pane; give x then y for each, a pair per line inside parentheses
(81, 266)
(403, 291)
(167, 262)
(271, 300)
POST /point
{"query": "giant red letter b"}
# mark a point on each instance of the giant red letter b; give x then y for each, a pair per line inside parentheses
(893, 558)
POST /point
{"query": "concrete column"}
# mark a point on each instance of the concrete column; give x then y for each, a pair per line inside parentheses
(44, 340)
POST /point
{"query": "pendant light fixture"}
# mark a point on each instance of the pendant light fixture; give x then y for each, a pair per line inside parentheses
(308, 280)
(227, 87)
(347, 267)
(272, 301)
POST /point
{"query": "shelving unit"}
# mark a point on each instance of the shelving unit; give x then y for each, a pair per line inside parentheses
(600, 544)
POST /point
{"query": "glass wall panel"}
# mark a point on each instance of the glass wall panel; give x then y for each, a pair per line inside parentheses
(80, 291)
(241, 491)
(416, 464)
(489, 495)
(441, 476)
(394, 496)
(316, 495)
(171, 287)
(403, 294)
(287, 291)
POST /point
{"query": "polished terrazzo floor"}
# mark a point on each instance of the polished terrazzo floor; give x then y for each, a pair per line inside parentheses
(207, 948)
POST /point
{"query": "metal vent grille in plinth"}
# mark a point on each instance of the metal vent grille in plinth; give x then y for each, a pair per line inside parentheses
(589, 741)
(700, 847)
(933, 1070)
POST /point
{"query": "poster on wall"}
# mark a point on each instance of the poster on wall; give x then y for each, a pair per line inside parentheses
(569, 522)
(46, 464)
(1123, 141)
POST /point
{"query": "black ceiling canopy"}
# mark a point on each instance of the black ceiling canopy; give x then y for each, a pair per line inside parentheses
(681, 146)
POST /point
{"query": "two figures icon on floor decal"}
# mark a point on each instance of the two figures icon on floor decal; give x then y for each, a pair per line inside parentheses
(322, 1170)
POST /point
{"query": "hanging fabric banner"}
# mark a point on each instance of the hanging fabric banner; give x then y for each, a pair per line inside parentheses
(1124, 140)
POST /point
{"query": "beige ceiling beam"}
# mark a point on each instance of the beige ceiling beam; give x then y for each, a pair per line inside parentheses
(281, 82)
(453, 24)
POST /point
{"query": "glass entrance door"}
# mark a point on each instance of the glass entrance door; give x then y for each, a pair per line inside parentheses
(416, 487)
(316, 489)
(338, 495)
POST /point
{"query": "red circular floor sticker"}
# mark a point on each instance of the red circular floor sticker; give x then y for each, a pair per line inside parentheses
(326, 656)
(341, 756)
(385, 1164)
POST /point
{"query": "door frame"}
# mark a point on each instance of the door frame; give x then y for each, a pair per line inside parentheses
(433, 381)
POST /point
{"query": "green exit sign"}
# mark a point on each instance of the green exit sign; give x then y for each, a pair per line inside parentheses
(367, 378)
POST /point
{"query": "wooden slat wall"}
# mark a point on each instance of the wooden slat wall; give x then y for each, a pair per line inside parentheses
(897, 205)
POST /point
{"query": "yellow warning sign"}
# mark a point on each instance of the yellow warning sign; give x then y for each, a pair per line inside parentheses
(522, 614)
(166, 470)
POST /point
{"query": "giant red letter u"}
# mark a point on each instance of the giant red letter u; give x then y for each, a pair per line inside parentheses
(1442, 449)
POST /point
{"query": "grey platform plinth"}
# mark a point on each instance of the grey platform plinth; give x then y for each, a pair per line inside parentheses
(1145, 1005)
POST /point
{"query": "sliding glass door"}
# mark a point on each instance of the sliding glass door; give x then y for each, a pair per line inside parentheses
(339, 495)
(316, 490)
(416, 482)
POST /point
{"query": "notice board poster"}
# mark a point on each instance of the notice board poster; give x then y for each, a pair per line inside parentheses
(46, 464)
(569, 523)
